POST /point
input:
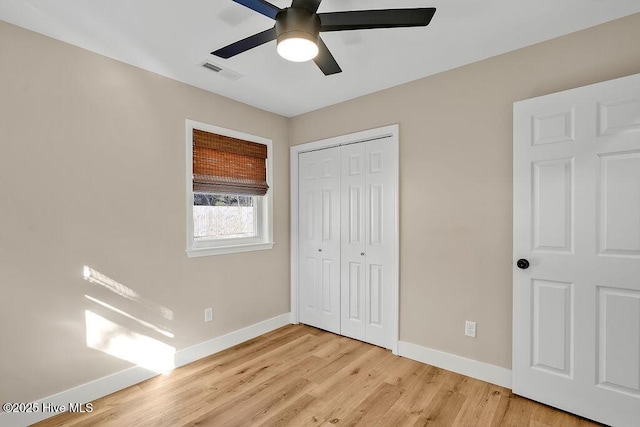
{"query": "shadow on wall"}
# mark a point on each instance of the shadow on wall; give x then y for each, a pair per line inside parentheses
(112, 337)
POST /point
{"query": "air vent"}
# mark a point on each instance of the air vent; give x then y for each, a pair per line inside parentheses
(221, 71)
(212, 67)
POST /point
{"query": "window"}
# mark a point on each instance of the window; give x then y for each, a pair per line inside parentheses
(229, 205)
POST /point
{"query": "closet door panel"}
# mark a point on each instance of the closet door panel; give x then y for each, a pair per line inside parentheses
(353, 268)
(381, 168)
(319, 238)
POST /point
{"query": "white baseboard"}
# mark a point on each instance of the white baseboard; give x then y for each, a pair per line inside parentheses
(101, 387)
(471, 368)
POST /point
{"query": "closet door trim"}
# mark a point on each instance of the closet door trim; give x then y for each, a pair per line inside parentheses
(391, 136)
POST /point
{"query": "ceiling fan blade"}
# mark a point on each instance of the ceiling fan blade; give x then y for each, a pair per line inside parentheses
(246, 44)
(260, 6)
(311, 5)
(325, 60)
(385, 18)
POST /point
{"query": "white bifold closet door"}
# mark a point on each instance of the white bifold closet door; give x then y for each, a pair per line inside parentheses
(363, 213)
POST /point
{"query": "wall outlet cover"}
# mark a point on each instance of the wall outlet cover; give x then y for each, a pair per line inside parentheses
(470, 329)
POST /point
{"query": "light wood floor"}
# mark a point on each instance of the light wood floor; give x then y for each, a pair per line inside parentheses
(301, 376)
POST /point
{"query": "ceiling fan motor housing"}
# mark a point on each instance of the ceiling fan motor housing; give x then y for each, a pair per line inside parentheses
(295, 22)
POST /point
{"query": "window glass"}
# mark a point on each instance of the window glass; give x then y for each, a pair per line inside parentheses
(217, 216)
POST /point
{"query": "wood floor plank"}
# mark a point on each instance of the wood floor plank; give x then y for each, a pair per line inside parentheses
(286, 415)
(338, 360)
(371, 409)
(414, 390)
(301, 376)
(420, 395)
(444, 407)
(511, 410)
(480, 405)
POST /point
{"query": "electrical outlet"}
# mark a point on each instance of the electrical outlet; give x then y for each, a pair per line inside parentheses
(208, 314)
(470, 329)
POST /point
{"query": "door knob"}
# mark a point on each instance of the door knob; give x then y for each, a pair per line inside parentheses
(319, 250)
(361, 253)
(522, 264)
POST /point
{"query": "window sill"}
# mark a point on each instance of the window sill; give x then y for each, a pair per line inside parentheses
(231, 249)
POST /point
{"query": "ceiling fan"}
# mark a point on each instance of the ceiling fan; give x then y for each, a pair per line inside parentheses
(297, 29)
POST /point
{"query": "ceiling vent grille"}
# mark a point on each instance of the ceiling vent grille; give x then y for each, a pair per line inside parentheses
(224, 72)
(212, 67)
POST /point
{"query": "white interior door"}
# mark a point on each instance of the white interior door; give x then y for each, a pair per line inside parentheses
(319, 238)
(576, 314)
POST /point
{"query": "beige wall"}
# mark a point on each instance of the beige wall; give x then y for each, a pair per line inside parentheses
(92, 172)
(455, 177)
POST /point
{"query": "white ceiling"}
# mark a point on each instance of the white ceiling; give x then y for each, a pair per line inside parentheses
(173, 38)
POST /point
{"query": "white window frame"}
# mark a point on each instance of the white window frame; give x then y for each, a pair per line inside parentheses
(264, 205)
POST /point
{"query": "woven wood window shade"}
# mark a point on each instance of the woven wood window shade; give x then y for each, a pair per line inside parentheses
(225, 165)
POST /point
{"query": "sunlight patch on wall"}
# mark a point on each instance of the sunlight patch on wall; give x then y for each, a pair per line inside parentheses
(120, 342)
(105, 281)
(129, 316)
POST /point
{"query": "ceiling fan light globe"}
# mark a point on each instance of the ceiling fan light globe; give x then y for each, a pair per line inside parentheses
(297, 49)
